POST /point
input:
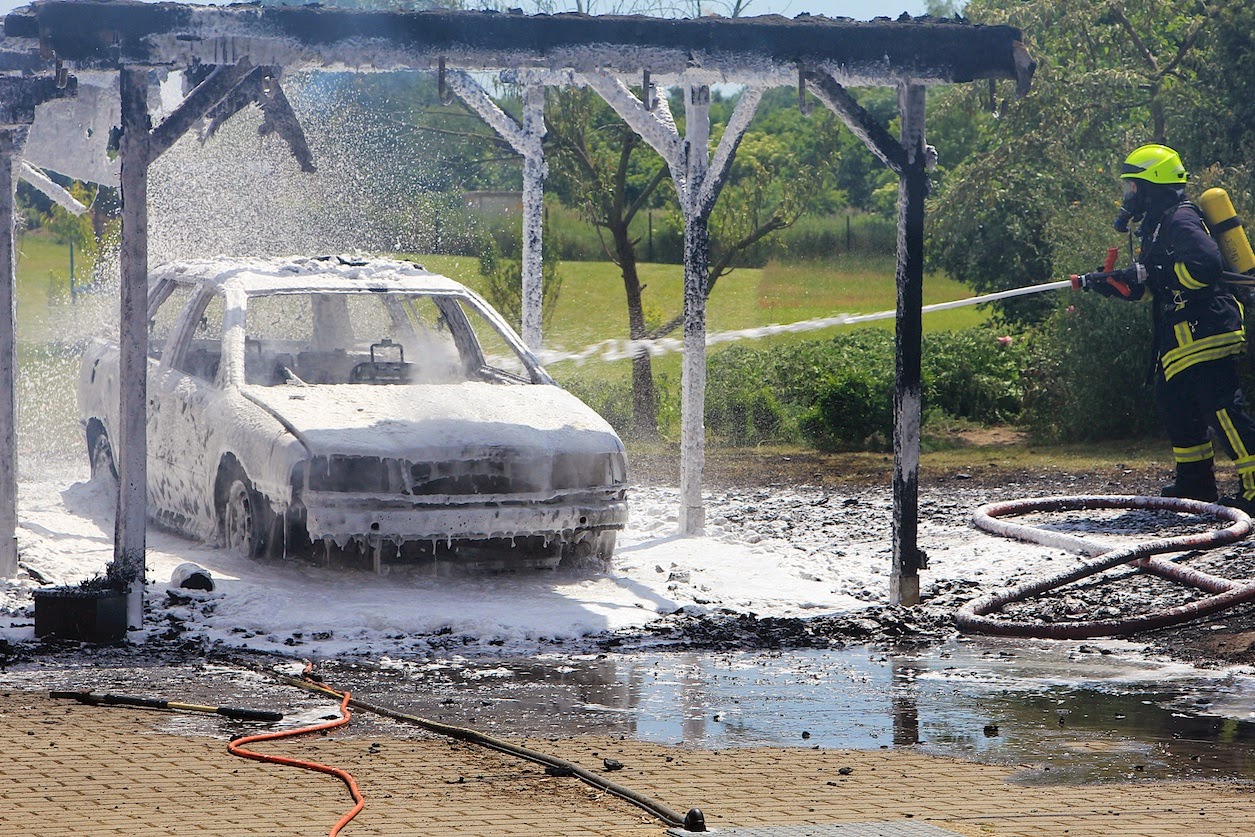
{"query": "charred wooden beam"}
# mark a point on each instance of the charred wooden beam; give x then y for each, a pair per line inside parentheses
(114, 34)
(908, 344)
(861, 123)
(20, 95)
(279, 118)
(261, 87)
(130, 524)
(207, 94)
(10, 144)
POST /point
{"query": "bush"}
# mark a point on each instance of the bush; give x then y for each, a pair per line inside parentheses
(838, 393)
(850, 410)
(741, 407)
(974, 374)
(1088, 377)
(834, 394)
(610, 397)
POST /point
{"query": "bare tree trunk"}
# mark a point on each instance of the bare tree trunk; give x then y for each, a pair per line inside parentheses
(644, 402)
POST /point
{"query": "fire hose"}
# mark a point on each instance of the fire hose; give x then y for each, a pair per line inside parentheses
(237, 747)
(1224, 593)
(694, 820)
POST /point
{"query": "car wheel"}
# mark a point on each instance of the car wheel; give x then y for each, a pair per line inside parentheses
(244, 517)
(100, 455)
(592, 552)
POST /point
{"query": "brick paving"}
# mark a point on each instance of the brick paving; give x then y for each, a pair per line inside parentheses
(72, 769)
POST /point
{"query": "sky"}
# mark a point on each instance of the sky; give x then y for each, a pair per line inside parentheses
(857, 9)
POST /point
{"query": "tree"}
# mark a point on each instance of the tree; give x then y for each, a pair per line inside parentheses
(1030, 201)
(1218, 131)
(601, 165)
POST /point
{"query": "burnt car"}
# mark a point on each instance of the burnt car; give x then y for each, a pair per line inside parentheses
(356, 405)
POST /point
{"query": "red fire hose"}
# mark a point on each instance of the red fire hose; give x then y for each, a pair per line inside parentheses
(974, 616)
(236, 748)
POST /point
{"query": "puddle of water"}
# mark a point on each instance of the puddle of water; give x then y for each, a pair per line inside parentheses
(1062, 715)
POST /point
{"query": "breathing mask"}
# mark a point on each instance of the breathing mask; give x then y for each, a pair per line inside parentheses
(1132, 208)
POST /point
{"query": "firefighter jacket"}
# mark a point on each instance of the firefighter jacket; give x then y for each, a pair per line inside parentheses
(1196, 317)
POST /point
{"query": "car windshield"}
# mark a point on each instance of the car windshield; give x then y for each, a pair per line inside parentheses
(373, 338)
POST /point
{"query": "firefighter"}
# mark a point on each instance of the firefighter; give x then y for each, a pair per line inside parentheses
(1198, 327)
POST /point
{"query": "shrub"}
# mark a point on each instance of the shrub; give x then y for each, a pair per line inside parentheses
(610, 397)
(741, 406)
(974, 374)
(833, 394)
(1088, 374)
(850, 410)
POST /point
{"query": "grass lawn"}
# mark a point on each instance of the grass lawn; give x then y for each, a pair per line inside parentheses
(43, 280)
(745, 298)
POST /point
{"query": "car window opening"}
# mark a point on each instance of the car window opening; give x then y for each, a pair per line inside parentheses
(373, 339)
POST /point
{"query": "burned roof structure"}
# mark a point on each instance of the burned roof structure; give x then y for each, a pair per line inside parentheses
(238, 54)
(104, 34)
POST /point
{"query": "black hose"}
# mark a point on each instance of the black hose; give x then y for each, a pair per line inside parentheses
(693, 821)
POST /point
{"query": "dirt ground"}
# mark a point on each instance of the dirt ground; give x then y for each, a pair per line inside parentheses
(1225, 639)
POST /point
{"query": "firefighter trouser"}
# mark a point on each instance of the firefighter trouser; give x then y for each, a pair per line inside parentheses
(1208, 395)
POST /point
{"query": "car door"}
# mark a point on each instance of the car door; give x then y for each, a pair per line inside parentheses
(182, 390)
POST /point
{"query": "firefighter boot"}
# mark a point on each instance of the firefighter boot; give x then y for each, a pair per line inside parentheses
(1195, 481)
(1239, 502)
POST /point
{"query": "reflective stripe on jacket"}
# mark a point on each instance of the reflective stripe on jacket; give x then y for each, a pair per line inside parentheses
(1196, 318)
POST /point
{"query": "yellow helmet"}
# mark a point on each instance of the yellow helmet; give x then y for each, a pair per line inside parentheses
(1154, 164)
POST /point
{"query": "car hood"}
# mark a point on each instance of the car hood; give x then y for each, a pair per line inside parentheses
(426, 421)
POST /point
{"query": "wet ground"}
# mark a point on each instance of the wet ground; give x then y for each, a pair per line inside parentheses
(881, 678)
(1059, 712)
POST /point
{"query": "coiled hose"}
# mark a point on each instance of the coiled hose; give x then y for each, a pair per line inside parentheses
(974, 616)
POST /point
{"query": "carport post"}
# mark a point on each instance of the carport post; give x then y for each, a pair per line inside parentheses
(527, 139)
(130, 527)
(912, 189)
(10, 142)
(696, 267)
(534, 171)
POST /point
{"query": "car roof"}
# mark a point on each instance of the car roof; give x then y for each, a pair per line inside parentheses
(291, 274)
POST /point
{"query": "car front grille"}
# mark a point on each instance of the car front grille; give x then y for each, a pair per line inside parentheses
(495, 472)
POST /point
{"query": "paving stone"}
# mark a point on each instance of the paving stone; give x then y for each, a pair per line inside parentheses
(114, 772)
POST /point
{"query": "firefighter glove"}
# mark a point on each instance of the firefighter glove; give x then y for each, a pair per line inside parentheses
(1130, 276)
(1101, 287)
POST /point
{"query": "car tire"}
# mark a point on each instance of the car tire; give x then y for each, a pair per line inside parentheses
(593, 552)
(100, 456)
(244, 517)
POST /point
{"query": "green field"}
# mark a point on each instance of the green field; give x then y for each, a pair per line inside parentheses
(592, 306)
(43, 283)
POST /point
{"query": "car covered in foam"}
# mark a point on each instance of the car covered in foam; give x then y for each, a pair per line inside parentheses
(365, 407)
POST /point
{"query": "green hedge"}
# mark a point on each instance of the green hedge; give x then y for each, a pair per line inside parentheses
(1089, 374)
(832, 394)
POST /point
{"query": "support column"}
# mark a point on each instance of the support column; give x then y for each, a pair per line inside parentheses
(908, 560)
(696, 266)
(698, 181)
(130, 526)
(533, 215)
(10, 145)
(526, 139)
